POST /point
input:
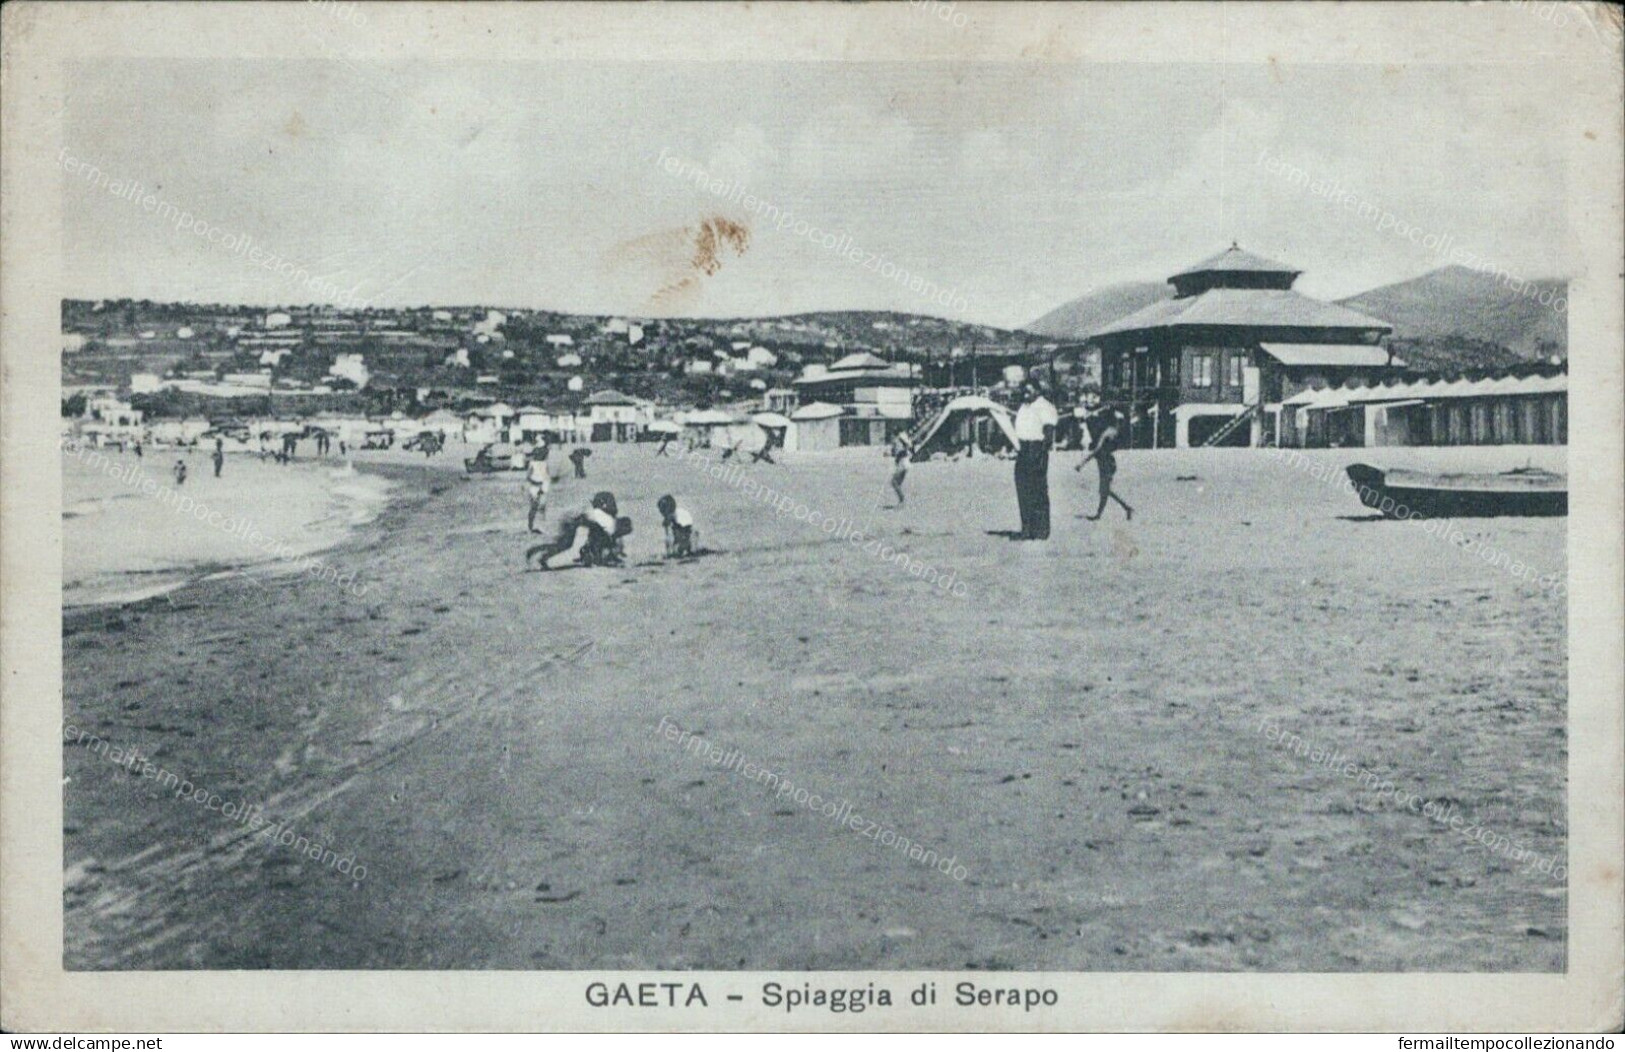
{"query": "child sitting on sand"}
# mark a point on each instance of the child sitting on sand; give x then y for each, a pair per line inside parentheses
(679, 527)
(612, 553)
(593, 535)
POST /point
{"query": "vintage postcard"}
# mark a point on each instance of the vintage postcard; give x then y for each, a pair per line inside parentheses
(924, 515)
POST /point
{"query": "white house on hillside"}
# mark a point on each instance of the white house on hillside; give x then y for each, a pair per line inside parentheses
(756, 358)
(613, 416)
(352, 367)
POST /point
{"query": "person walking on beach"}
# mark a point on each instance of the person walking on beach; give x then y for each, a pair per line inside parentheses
(1106, 426)
(665, 440)
(180, 472)
(775, 440)
(902, 450)
(1036, 421)
(219, 456)
(578, 458)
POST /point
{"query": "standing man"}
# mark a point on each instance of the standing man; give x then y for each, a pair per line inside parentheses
(1036, 421)
(219, 455)
(578, 459)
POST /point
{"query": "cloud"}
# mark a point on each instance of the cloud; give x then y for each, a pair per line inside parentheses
(744, 155)
(851, 143)
(988, 152)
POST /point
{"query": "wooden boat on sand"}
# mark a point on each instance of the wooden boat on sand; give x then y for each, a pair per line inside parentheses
(1401, 494)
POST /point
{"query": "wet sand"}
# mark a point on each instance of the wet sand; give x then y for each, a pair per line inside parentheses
(1082, 728)
(130, 532)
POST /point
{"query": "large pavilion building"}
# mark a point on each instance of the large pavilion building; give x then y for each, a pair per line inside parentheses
(876, 397)
(1213, 365)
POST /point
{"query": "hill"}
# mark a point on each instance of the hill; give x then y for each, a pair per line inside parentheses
(478, 353)
(1098, 307)
(1472, 307)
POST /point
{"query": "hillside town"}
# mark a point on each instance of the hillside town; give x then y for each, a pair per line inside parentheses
(1234, 357)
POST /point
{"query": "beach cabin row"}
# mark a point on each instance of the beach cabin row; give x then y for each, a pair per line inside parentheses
(1507, 410)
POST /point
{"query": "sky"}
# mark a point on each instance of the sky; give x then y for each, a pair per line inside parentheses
(1010, 188)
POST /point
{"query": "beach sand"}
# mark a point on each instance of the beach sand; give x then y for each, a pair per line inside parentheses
(129, 532)
(1090, 728)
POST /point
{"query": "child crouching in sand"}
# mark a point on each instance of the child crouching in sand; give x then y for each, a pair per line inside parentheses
(679, 527)
(593, 536)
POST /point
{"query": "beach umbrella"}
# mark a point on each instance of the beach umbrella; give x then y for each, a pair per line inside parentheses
(709, 418)
(771, 420)
(817, 411)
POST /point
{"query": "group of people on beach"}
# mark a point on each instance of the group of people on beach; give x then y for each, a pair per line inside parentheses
(1035, 423)
(179, 470)
(595, 535)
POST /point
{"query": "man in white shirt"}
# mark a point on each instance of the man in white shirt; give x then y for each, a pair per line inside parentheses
(1036, 421)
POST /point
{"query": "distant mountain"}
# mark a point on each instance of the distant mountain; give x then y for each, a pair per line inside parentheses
(1099, 307)
(1473, 307)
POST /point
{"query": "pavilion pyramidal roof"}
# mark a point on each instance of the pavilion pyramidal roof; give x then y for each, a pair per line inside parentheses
(1234, 260)
(1254, 308)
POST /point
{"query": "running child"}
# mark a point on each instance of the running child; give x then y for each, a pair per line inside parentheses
(902, 451)
(1106, 426)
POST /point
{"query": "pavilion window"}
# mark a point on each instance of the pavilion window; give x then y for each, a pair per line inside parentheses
(1236, 361)
(1201, 370)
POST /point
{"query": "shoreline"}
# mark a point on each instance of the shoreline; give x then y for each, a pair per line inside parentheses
(331, 510)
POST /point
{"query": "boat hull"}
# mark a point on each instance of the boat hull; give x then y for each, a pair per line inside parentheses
(1407, 495)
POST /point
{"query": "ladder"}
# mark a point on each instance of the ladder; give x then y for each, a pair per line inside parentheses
(920, 430)
(1234, 422)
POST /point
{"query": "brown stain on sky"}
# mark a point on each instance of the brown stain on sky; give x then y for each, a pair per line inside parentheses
(682, 257)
